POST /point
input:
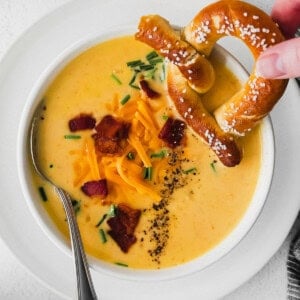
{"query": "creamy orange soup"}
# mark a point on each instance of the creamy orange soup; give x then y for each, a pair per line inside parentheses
(189, 203)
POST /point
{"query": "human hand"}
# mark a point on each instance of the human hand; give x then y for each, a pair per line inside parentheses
(283, 59)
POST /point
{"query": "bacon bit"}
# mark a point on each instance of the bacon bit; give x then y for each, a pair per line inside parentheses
(172, 132)
(110, 134)
(124, 241)
(148, 90)
(123, 225)
(95, 188)
(82, 122)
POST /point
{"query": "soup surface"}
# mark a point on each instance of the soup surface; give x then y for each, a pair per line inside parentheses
(187, 201)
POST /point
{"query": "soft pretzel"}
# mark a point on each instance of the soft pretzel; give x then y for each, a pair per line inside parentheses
(158, 33)
(189, 105)
(236, 18)
(240, 113)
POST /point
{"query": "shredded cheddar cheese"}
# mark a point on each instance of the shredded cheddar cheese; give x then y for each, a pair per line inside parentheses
(92, 159)
(141, 151)
(82, 170)
(133, 179)
(143, 138)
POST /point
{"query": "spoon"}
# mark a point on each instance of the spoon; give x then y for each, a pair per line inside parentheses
(85, 287)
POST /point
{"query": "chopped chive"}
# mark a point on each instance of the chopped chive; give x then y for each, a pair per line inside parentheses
(189, 170)
(135, 86)
(150, 73)
(160, 154)
(156, 61)
(163, 73)
(101, 220)
(112, 211)
(130, 156)
(43, 194)
(147, 173)
(76, 206)
(115, 78)
(213, 166)
(151, 55)
(103, 236)
(121, 264)
(139, 69)
(125, 99)
(132, 80)
(72, 137)
(165, 117)
(134, 63)
(146, 67)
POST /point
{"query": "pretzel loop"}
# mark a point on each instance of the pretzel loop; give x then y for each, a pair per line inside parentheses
(254, 27)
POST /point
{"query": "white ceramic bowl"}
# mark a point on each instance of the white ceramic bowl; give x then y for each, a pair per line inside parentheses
(43, 219)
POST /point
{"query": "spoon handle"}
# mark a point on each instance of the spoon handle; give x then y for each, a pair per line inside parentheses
(85, 288)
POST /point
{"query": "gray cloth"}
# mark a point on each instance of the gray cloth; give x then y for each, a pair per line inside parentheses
(293, 270)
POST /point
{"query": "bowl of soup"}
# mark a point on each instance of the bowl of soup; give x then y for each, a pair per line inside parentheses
(148, 207)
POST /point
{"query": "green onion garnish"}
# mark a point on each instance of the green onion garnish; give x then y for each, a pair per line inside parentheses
(135, 86)
(151, 55)
(160, 154)
(116, 79)
(43, 194)
(103, 236)
(150, 73)
(101, 220)
(165, 117)
(76, 206)
(156, 61)
(112, 211)
(189, 170)
(147, 173)
(130, 156)
(132, 80)
(213, 166)
(125, 99)
(72, 137)
(134, 63)
(163, 73)
(146, 67)
(121, 264)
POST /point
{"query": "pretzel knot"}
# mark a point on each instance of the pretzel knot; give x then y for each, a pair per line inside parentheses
(190, 73)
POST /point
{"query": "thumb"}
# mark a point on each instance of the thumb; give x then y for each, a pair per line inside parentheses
(280, 61)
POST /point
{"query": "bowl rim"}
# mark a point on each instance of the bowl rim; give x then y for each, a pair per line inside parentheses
(49, 228)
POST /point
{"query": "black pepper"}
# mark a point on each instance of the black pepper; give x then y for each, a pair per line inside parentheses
(158, 230)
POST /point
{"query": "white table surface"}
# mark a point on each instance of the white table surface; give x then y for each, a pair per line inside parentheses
(15, 281)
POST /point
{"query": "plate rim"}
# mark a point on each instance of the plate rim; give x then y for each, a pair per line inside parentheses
(291, 89)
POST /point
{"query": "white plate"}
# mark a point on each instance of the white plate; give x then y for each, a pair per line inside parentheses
(22, 67)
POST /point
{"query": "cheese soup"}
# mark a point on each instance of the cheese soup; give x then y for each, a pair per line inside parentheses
(120, 159)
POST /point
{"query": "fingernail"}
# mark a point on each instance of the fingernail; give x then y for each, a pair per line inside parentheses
(270, 66)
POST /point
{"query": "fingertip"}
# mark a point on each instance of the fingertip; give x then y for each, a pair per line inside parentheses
(269, 66)
(280, 61)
